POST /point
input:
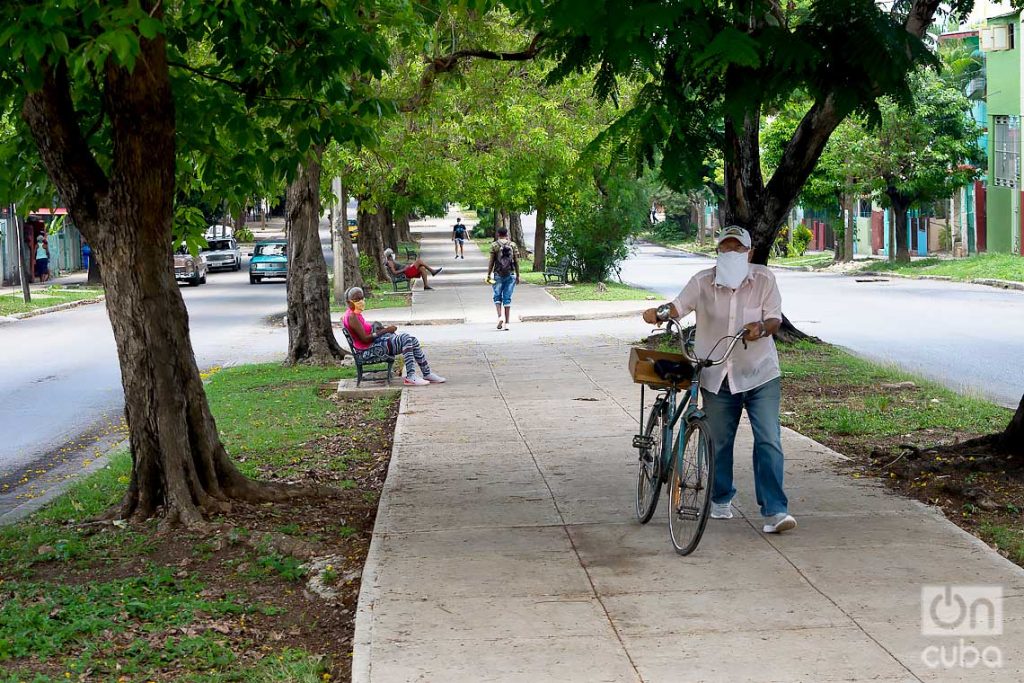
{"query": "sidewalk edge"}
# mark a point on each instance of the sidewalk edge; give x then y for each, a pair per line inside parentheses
(59, 307)
(369, 591)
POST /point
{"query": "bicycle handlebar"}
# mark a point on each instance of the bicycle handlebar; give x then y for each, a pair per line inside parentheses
(706, 362)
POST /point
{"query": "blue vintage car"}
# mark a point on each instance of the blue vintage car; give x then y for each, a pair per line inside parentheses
(269, 259)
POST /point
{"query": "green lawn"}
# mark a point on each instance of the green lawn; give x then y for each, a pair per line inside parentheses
(380, 299)
(690, 245)
(11, 301)
(819, 260)
(994, 266)
(156, 615)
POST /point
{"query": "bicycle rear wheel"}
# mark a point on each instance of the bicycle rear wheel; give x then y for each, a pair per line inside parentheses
(648, 476)
(693, 471)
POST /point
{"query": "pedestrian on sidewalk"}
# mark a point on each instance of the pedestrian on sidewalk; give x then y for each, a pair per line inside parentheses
(504, 265)
(736, 293)
(417, 268)
(42, 258)
(459, 235)
(375, 342)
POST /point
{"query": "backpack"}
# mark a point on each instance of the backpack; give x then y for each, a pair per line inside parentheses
(460, 231)
(505, 264)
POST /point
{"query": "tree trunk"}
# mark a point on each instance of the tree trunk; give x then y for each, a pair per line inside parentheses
(1012, 439)
(95, 276)
(540, 237)
(350, 260)
(371, 240)
(24, 266)
(179, 466)
(515, 231)
(898, 246)
(851, 225)
(240, 219)
(403, 229)
(389, 230)
(310, 335)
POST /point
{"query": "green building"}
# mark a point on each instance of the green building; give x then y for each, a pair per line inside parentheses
(1000, 231)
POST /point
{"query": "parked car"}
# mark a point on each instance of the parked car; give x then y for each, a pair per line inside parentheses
(219, 232)
(353, 228)
(189, 268)
(269, 259)
(223, 254)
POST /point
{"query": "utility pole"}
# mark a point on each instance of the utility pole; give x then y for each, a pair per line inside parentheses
(339, 222)
(23, 258)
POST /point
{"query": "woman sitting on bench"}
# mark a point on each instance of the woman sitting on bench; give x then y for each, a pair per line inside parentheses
(375, 341)
(414, 270)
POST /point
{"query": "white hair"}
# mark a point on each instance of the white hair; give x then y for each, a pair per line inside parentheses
(389, 253)
(352, 291)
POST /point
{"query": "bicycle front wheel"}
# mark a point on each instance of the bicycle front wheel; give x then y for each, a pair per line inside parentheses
(648, 476)
(693, 471)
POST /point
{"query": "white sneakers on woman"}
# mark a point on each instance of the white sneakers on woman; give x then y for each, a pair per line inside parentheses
(417, 381)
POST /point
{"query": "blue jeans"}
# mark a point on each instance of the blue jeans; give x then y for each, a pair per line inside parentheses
(503, 287)
(723, 411)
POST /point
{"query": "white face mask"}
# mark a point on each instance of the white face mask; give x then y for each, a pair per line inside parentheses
(731, 269)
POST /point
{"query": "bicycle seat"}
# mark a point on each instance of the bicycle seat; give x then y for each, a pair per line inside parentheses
(673, 371)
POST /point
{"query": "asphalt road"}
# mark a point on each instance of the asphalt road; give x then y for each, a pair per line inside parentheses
(60, 383)
(968, 337)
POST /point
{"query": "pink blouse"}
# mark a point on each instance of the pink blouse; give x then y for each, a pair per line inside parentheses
(348, 320)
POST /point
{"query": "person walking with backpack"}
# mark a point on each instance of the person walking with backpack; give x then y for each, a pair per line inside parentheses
(459, 235)
(505, 267)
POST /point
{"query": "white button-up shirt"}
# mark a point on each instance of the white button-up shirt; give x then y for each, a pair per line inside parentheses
(721, 312)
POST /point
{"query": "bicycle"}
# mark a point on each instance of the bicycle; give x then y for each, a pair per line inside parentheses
(690, 473)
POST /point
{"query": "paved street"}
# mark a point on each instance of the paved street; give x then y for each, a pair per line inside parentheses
(968, 337)
(61, 384)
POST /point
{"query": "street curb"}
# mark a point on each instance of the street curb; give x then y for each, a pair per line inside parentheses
(570, 317)
(987, 282)
(31, 506)
(53, 309)
(412, 323)
(369, 591)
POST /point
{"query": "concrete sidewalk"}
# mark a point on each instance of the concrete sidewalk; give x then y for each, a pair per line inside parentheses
(505, 549)
(460, 294)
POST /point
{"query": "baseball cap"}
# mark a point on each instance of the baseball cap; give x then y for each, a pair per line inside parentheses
(736, 233)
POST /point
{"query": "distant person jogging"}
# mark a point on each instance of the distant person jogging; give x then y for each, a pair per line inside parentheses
(505, 267)
(459, 235)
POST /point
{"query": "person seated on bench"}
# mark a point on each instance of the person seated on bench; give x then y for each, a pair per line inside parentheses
(415, 269)
(374, 341)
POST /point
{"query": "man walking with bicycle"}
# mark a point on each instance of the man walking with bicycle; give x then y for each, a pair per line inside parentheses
(737, 294)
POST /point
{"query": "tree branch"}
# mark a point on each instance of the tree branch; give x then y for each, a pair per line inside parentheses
(439, 65)
(50, 115)
(242, 88)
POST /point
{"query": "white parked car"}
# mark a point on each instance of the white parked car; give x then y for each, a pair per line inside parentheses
(223, 254)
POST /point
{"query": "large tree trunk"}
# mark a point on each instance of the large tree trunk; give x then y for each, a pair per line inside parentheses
(371, 241)
(900, 205)
(402, 228)
(310, 335)
(179, 466)
(540, 237)
(515, 231)
(389, 230)
(1012, 439)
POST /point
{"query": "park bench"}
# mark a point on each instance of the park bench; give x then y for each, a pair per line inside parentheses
(397, 279)
(369, 366)
(410, 254)
(559, 273)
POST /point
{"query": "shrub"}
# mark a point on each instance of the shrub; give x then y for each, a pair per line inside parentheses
(780, 247)
(801, 238)
(244, 235)
(367, 269)
(484, 229)
(591, 228)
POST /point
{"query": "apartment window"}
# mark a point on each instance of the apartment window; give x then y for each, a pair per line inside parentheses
(865, 208)
(1006, 151)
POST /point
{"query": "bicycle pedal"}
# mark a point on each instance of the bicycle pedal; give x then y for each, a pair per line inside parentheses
(642, 442)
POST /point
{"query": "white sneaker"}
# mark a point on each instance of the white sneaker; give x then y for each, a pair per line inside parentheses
(435, 378)
(721, 510)
(776, 524)
(508, 326)
(416, 381)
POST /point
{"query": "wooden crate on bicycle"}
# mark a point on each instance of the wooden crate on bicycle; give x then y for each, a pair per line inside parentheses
(641, 367)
